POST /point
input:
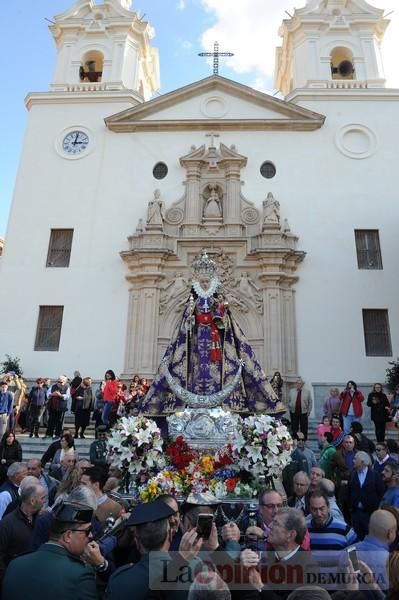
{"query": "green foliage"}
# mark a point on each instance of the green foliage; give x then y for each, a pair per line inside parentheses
(11, 364)
(392, 375)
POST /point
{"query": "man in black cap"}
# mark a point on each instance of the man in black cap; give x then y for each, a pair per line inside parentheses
(56, 569)
(153, 534)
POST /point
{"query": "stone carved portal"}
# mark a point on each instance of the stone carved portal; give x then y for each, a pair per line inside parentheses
(257, 260)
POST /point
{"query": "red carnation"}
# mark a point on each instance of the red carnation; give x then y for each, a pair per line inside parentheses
(231, 484)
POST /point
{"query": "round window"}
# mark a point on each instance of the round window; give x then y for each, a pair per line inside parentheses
(160, 170)
(268, 170)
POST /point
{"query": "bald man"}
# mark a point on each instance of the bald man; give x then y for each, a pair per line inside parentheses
(374, 549)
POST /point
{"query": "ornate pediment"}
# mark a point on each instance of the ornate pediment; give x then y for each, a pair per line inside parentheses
(211, 155)
(215, 103)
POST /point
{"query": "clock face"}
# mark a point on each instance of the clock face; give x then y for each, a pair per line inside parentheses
(75, 142)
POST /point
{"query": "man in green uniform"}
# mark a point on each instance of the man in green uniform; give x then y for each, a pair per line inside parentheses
(153, 535)
(56, 569)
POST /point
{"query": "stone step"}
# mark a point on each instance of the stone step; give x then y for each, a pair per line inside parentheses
(35, 448)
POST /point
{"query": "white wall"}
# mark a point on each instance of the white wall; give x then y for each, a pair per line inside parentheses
(324, 194)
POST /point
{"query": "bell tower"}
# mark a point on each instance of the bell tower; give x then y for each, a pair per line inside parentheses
(104, 47)
(331, 44)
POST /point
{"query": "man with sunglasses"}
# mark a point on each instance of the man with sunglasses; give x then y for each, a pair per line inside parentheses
(56, 569)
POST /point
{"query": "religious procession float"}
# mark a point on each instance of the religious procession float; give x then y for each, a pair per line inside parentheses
(210, 420)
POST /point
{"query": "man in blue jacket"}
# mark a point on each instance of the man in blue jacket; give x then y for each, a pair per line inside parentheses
(6, 402)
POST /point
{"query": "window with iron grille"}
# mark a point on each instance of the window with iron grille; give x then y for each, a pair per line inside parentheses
(368, 249)
(267, 170)
(49, 325)
(377, 337)
(160, 170)
(59, 248)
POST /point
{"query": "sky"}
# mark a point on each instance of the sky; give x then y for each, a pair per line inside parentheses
(249, 28)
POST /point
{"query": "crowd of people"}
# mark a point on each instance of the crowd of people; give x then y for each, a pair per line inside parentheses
(347, 405)
(70, 535)
(46, 403)
(67, 532)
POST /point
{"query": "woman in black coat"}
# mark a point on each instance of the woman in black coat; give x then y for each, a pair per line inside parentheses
(380, 410)
(84, 404)
(10, 452)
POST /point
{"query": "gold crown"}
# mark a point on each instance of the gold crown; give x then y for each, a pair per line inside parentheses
(203, 265)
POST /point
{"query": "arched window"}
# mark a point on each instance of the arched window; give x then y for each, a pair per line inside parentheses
(342, 66)
(91, 68)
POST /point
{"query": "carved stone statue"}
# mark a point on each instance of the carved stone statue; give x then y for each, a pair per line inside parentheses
(286, 227)
(246, 285)
(140, 226)
(213, 205)
(155, 216)
(179, 284)
(271, 210)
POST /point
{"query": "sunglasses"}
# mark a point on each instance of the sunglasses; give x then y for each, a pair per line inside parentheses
(87, 532)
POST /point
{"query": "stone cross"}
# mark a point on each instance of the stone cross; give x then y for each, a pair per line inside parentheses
(212, 135)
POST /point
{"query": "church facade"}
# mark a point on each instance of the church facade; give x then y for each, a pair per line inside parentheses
(296, 200)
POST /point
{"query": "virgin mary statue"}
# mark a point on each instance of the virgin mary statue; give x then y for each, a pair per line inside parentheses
(209, 362)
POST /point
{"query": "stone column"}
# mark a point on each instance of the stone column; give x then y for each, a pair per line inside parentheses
(369, 47)
(193, 204)
(232, 203)
(272, 328)
(141, 347)
(289, 334)
(145, 276)
(277, 260)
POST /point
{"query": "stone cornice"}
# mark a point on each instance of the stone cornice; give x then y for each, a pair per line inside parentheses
(128, 96)
(216, 124)
(361, 95)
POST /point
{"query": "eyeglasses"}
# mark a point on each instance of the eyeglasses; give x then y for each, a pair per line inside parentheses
(270, 506)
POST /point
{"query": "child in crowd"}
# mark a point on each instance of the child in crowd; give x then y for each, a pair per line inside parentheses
(321, 429)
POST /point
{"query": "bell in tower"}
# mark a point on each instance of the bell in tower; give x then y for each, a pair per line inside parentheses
(104, 46)
(331, 41)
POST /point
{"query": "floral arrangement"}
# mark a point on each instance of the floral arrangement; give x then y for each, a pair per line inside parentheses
(135, 446)
(232, 488)
(167, 481)
(263, 446)
(206, 469)
(261, 449)
(180, 453)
